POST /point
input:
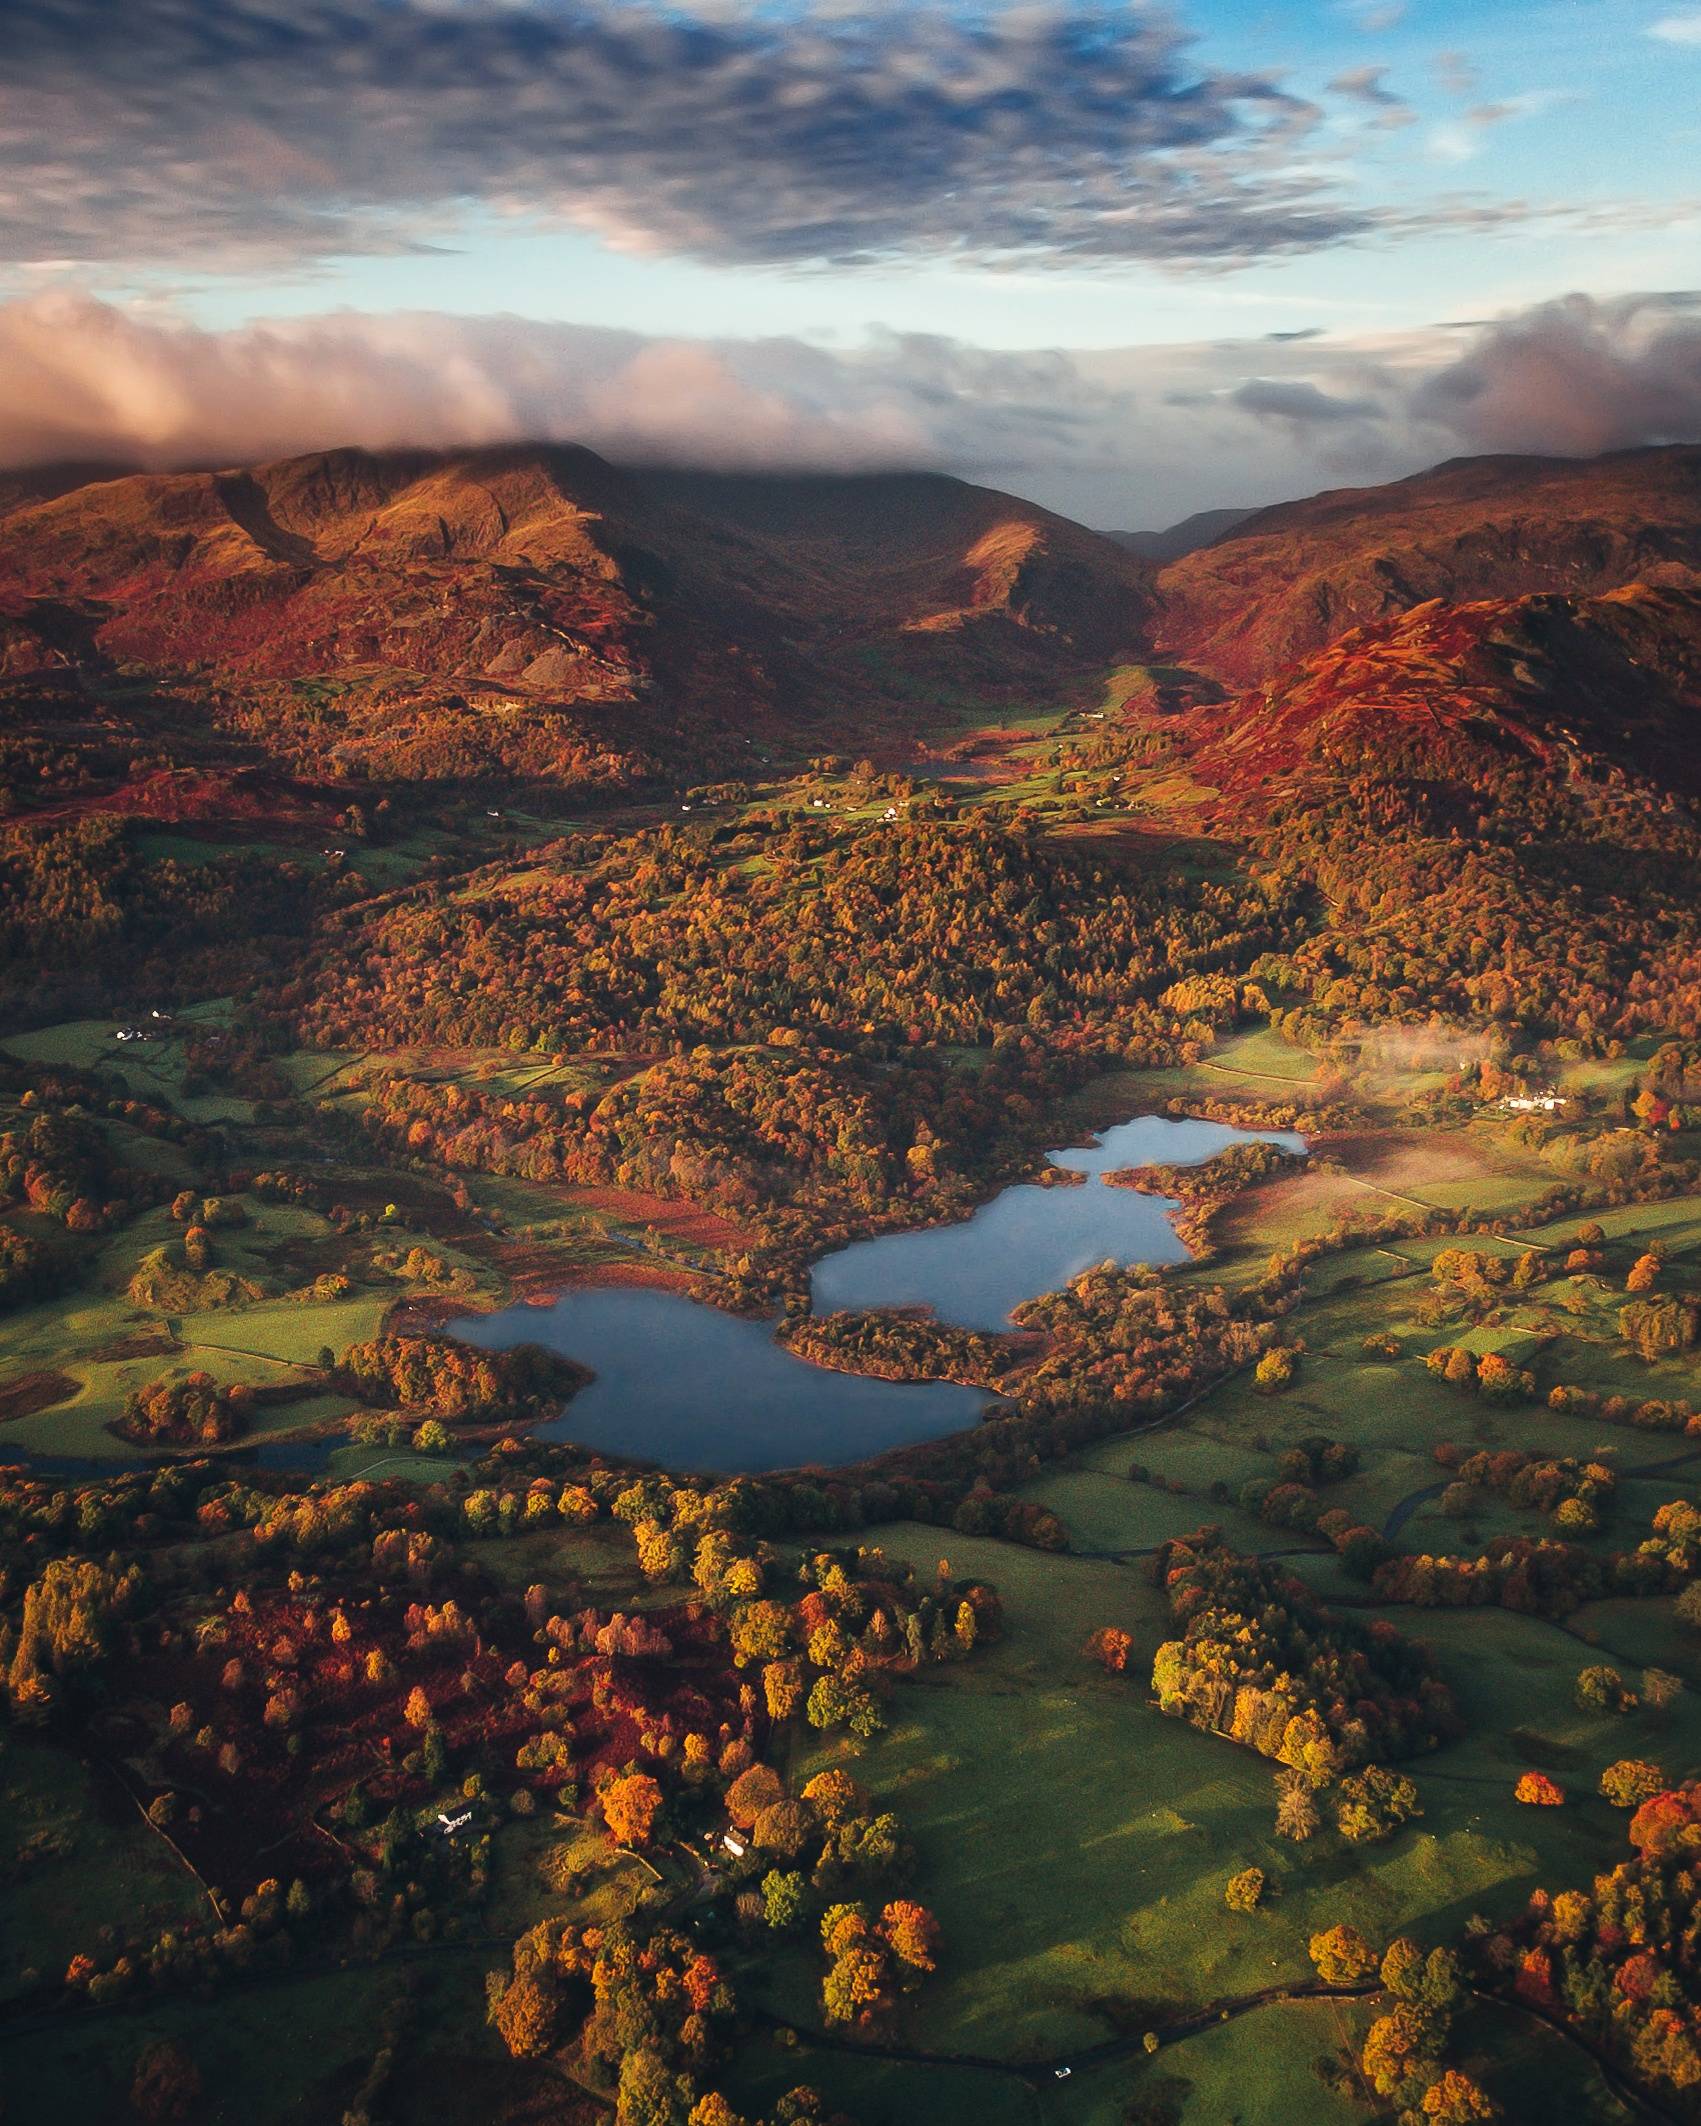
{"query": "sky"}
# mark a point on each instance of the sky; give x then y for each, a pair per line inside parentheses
(1128, 260)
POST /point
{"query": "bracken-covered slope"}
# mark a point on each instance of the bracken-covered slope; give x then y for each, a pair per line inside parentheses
(1292, 579)
(1597, 690)
(664, 615)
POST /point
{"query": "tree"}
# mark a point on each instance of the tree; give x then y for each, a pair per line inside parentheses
(836, 1702)
(1660, 1691)
(1297, 1815)
(855, 1985)
(1537, 1790)
(754, 1790)
(1110, 1645)
(630, 1806)
(1342, 1956)
(782, 1897)
(417, 1711)
(1275, 1370)
(524, 2013)
(911, 1932)
(1631, 1781)
(1397, 2048)
(836, 1796)
(1600, 1689)
(1242, 1891)
(650, 2093)
(782, 1688)
(1455, 2100)
(783, 1827)
(1374, 1803)
(166, 2086)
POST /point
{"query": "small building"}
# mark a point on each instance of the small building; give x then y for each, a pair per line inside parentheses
(734, 1844)
(1546, 1102)
(449, 1825)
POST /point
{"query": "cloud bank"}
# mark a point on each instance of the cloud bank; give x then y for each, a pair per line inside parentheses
(248, 132)
(1125, 437)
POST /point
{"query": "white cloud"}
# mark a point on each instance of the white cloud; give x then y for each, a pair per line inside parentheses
(1678, 29)
(1131, 437)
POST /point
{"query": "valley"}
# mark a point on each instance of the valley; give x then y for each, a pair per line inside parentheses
(1121, 1139)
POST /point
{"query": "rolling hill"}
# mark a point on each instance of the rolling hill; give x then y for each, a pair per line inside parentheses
(659, 618)
(1291, 579)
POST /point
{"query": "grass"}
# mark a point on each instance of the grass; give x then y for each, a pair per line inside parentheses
(93, 1860)
(269, 1342)
(1076, 1843)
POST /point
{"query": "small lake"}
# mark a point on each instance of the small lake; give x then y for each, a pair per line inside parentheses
(1031, 1239)
(693, 1387)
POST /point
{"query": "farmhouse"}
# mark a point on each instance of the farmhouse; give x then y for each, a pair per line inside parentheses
(1546, 1102)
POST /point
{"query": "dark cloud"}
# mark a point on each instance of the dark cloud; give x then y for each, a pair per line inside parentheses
(1298, 400)
(213, 131)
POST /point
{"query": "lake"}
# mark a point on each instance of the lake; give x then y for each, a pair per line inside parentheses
(694, 1387)
(1030, 1239)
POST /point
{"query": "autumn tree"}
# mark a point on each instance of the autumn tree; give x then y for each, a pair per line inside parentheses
(166, 2086)
(630, 1806)
(1297, 1814)
(754, 1790)
(1342, 1956)
(911, 1932)
(1631, 1781)
(1111, 1646)
(524, 2012)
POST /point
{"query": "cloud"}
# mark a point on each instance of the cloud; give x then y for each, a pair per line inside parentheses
(1136, 436)
(1678, 29)
(237, 132)
(1455, 72)
(1368, 85)
(1574, 377)
(1299, 401)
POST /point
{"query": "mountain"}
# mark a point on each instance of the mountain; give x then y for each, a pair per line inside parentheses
(1586, 694)
(1177, 540)
(537, 611)
(1291, 579)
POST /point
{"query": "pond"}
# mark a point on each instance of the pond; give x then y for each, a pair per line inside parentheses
(691, 1386)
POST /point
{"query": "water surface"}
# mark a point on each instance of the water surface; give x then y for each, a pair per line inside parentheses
(692, 1387)
(1032, 1239)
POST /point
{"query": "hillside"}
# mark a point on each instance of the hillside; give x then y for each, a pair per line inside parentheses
(537, 611)
(1293, 578)
(1589, 692)
(1177, 540)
